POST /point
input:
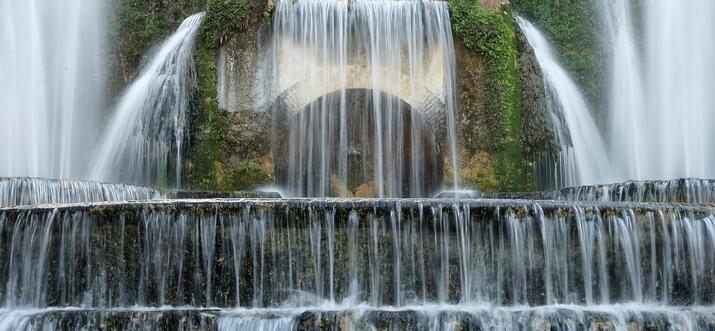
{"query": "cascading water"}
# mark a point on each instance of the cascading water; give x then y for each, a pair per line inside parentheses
(628, 148)
(144, 141)
(34, 191)
(434, 264)
(687, 190)
(51, 85)
(662, 75)
(583, 159)
(361, 75)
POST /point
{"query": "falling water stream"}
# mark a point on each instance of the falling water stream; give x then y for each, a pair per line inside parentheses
(400, 55)
(35, 191)
(583, 159)
(279, 262)
(144, 141)
(51, 85)
(662, 73)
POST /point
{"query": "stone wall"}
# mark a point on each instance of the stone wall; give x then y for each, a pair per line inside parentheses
(503, 123)
(231, 147)
(501, 111)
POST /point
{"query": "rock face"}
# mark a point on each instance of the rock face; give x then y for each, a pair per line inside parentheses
(474, 118)
(243, 70)
(231, 148)
(116, 319)
(537, 129)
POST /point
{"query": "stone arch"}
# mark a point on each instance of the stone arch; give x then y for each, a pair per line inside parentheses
(294, 99)
(296, 119)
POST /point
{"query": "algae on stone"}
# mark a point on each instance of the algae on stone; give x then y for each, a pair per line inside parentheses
(490, 102)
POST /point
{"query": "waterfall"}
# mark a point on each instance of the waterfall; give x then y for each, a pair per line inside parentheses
(425, 264)
(661, 100)
(364, 105)
(583, 159)
(36, 191)
(367, 92)
(687, 190)
(401, 253)
(628, 148)
(51, 85)
(144, 141)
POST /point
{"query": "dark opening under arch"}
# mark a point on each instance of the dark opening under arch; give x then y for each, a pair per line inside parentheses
(339, 145)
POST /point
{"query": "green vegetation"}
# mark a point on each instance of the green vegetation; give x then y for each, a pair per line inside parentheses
(244, 175)
(208, 168)
(225, 17)
(140, 24)
(574, 26)
(491, 35)
(212, 128)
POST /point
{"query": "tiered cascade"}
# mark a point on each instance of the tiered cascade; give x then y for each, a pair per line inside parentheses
(368, 102)
(470, 262)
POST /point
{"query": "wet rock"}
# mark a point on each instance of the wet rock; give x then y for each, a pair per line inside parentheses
(115, 319)
(537, 128)
(222, 195)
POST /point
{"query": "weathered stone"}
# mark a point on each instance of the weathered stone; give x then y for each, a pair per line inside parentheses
(266, 252)
(537, 128)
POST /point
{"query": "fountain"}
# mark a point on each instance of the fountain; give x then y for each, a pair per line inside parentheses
(364, 129)
(400, 54)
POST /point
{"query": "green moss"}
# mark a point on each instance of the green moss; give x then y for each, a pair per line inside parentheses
(140, 24)
(491, 35)
(213, 127)
(211, 165)
(225, 17)
(244, 175)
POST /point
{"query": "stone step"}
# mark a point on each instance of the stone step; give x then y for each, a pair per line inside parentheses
(265, 252)
(425, 318)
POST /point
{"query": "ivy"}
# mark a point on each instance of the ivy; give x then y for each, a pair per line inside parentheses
(137, 26)
(491, 35)
(224, 18)
(212, 128)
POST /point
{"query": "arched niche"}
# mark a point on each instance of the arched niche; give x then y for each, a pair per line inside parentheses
(357, 142)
